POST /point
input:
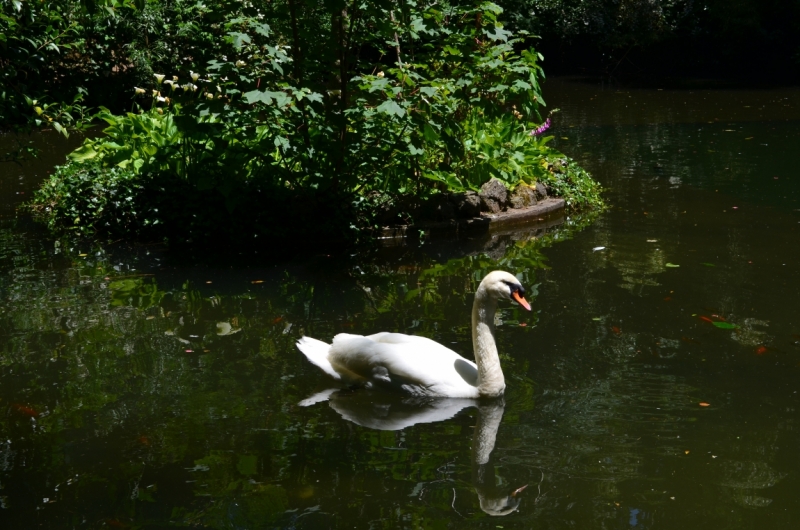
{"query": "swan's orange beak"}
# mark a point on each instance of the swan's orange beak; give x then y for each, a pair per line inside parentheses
(521, 300)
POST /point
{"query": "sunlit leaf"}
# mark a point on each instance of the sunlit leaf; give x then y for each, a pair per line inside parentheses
(392, 108)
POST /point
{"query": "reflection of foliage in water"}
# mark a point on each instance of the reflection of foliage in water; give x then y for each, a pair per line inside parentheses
(129, 385)
(174, 402)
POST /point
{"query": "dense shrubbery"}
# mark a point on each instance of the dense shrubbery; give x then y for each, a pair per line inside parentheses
(270, 117)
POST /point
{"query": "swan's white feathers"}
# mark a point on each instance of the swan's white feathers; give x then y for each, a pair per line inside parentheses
(317, 352)
(416, 365)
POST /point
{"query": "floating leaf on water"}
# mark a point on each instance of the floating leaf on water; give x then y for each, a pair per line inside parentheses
(709, 264)
(707, 319)
(23, 409)
(595, 249)
(83, 255)
(704, 404)
(725, 325)
(597, 319)
(686, 452)
(257, 281)
(224, 328)
(652, 240)
(761, 350)
(671, 265)
(616, 330)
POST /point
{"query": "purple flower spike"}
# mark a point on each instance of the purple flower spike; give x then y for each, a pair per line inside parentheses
(541, 129)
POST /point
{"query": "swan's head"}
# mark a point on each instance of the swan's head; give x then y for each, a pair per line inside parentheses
(503, 286)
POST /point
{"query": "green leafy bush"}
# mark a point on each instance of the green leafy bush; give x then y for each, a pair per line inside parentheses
(271, 139)
(568, 180)
(85, 197)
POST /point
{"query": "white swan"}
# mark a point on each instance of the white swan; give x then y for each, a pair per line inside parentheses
(420, 366)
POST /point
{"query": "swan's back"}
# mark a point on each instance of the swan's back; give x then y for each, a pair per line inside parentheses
(415, 365)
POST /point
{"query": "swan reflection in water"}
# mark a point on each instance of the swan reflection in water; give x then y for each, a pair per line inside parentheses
(386, 412)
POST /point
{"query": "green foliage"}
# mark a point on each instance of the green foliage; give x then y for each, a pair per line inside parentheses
(82, 198)
(56, 57)
(38, 44)
(436, 99)
(614, 23)
(570, 181)
(130, 141)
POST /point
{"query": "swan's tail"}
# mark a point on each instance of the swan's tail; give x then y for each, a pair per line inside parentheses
(317, 352)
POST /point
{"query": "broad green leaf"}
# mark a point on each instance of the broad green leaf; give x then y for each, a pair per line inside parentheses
(267, 96)
(239, 39)
(83, 153)
(429, 133)
(415, 150)
(392, 108)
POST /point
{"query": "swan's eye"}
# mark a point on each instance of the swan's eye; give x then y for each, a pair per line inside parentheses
(515, 288)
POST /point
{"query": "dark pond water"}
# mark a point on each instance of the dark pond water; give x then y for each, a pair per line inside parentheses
(654, 385)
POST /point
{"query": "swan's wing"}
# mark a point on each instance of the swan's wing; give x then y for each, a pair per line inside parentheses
(414, 364)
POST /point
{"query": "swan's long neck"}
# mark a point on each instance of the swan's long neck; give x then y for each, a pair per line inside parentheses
(491, 382)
